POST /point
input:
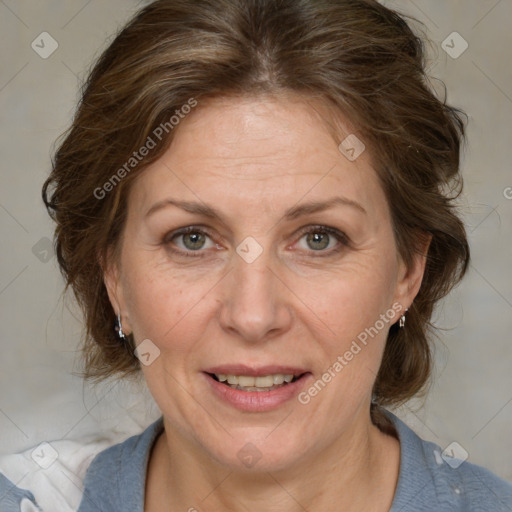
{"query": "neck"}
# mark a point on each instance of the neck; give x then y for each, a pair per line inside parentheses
(358, 471)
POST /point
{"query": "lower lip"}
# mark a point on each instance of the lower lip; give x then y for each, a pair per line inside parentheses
(257, 401)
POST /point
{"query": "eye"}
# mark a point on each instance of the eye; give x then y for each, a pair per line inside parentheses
(319, 238)
(193, 240)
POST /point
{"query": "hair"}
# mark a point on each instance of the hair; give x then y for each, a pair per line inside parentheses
(358, 57)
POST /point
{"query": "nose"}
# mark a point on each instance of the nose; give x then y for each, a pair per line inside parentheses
(255, 302)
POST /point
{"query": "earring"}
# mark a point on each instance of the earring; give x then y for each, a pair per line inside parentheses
(119, 329)
(401, 322)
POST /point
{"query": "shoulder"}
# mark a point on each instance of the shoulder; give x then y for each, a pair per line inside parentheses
(431, 479)
(117, 474)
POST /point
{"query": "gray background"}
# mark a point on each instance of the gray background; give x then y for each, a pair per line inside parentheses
(40, 400)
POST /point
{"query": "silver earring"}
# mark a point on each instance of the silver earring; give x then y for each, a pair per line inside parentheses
(401, 322)
(119, 329)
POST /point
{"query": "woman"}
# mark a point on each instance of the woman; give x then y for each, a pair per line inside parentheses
(254, 192)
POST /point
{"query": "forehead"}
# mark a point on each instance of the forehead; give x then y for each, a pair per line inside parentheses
(261, 152)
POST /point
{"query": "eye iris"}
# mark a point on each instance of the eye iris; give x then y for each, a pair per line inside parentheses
(197, 240)
(317, 237)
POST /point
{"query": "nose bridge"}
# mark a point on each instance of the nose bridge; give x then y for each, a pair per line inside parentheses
(252, 261)
(254, 287)
(254, 303)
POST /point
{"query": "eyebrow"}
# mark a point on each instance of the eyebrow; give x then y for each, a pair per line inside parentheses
(291, 214)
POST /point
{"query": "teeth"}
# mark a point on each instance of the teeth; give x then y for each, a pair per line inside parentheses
(244, 380)
(278, 379)
(262, 382)
(250, 383)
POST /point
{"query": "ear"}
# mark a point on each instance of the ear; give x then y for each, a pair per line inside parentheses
(410, 277)
(113, 283)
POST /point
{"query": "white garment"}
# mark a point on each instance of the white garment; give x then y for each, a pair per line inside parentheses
(53, 472)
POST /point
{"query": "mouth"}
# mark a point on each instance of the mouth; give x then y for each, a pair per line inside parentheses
(256, 389)
(259, 384)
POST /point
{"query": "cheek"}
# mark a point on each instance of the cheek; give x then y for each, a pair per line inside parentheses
(156, 301)
(359, 318)
(353, 299)
(351, 306)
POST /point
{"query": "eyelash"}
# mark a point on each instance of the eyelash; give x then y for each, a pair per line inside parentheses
(339, 235)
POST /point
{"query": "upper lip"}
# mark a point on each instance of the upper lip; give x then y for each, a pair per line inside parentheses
(255, 371)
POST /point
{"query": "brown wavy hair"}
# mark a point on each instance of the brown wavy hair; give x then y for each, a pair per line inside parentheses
(358, 57)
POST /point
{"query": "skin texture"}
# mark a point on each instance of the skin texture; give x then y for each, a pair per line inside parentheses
(252, 159)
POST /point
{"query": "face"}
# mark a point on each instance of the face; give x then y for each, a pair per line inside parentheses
(253, 280)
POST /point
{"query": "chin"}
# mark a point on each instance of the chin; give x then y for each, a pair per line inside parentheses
(257, 452)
